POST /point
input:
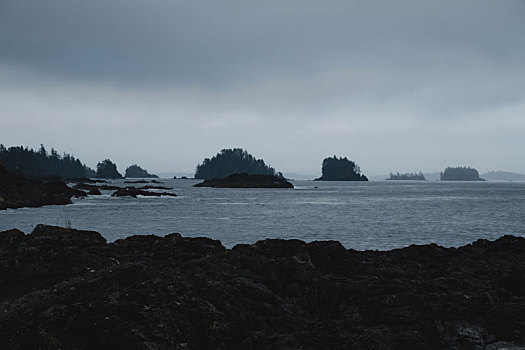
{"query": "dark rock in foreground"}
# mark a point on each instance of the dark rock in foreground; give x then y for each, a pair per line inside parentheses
(134, 192)
(69, 289)
(244, 180)
(18, 191)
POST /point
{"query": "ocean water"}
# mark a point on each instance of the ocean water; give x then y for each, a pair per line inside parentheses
(361, 215)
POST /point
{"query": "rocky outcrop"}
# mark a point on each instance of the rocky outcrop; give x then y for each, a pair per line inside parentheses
(135, 171)
(64, 288)
(244, 180)
(89, 187)
(134, 192)
(17, 191)
(340, 169)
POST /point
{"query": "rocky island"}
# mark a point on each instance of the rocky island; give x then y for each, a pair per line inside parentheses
(244, 180)
(63, 288)
(232, 161)
(135, 171)
(340, 169)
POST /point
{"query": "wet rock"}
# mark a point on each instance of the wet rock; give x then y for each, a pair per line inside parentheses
(134, 192)
(85, 180)
(244, 180)
(17, 191)
(153, 187)
(94, 192)
(89, 187)
(63, 288)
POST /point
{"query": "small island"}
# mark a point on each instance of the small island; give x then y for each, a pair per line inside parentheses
(407, 176)
(245, 180)
(232, 161)
(460, 174)
(340, 169)
(135, 171)
(108, 170)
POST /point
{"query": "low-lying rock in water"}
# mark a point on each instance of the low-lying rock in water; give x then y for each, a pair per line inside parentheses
(244, 180)
(152, 187)
(134, 192)
(63, 288)
(89, 187)
(18, 191)
(94, 192)
(85, 180)
(143, 182)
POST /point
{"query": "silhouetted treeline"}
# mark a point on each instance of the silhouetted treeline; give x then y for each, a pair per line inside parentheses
(340, 169)
(134, 171)
(407, 176)
(232, 161)
(460, 174)
(41, 163)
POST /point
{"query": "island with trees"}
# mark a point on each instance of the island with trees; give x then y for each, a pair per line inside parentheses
(340, 169)
(460, 174)
(407, 176)
(108, 170)
(232, 161)
(135, 171)
(42, 163)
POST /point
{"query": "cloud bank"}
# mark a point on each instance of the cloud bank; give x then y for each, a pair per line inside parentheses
(396, 86)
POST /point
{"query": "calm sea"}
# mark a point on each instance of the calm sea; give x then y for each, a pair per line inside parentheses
(371, 215)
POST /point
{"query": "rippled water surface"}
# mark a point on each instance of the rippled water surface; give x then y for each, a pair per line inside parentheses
(372, 215)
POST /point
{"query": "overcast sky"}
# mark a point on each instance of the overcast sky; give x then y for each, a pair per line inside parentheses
(394, 85)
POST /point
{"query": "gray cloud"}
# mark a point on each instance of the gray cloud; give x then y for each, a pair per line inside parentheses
(364, 79)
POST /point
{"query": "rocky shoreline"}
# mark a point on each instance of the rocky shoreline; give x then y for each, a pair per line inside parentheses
(63, 288)
(18, 191)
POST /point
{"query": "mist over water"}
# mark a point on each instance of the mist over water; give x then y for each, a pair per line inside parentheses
(361, 215)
